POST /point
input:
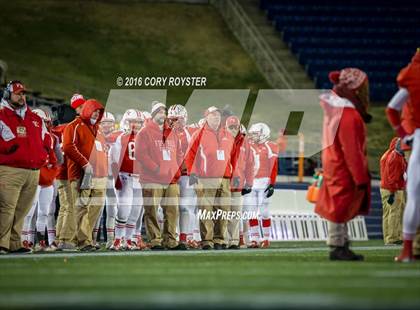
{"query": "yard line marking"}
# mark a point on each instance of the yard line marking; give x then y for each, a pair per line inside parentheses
(180, 253)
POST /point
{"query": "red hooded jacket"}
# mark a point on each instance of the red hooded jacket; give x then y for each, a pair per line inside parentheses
(393, 166)
(82, 143)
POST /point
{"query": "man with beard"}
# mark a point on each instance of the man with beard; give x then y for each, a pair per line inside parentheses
(24, 146)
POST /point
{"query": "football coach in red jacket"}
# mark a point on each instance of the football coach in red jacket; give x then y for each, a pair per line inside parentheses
(209, 164)
(345, 192)
(23, 151)
(159, 157)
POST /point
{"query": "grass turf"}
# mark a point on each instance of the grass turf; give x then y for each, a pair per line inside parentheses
(290, 274)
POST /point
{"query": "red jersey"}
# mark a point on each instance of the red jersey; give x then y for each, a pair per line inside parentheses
(49, 171)
(122, 152)
(266, 160)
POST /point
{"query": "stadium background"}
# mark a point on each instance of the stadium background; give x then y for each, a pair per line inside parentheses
(60, 47)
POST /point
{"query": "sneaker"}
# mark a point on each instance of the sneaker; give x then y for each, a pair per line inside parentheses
(131, 246)
(41, 246)
(265, 244)
(97, 246)
(253, 245)
(109, 244)
(21, 251)
(88, 248)
(404, 258)
(234, 247)
(180, 247)
(141, 245)
(157, 248)
(342, 253)
(66, 246)
(207, 247)
(116, 245)
(218, 246)
(3, 251)
(52, 247)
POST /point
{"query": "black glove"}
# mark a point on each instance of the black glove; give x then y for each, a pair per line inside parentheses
(236, 182)
(246, 190)
(12, 149)
(269, 191)
(391, 199)
(193, 179)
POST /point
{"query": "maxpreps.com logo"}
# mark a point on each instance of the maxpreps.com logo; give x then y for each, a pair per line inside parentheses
(226, 215)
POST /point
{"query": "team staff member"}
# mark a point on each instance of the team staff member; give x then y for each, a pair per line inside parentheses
(159, 156)
(242, 177)
(87, 169)
(66, 220)
(24, 146)
(409, 96)
(393, 170)
(345, 192)
(209, 163)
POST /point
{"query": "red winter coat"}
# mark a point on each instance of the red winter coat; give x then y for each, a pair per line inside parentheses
(345, 191)
(158, 154)
(242, 163)
(209, 154)
(393, 167)
(83, 144)
(24, 142)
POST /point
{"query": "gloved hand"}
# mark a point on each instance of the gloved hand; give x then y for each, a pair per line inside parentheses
(391, 199)
(236, 182)
(12, 149)
(118, 183)
(86, 182)
(193, 179)
(269, 191)
(408, 140)
(246, 190)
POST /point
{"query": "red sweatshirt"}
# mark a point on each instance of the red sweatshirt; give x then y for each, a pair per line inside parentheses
(158, 154)
(209, 154)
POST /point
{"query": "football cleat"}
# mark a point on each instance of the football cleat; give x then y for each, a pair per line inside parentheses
(253, 245)
(404, 258)
(116, 246)
(41, 246)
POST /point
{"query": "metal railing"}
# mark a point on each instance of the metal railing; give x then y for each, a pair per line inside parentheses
(254, 43)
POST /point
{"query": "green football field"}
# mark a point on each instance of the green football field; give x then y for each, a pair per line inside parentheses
(288, 275)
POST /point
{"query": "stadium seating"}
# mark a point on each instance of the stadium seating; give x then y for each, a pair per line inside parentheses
(378, 36)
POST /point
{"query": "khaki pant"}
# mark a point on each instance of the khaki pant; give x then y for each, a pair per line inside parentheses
(66, 220)
(88, 204)
(167, 197)
(17, 192)
(235, 223)
(213, 194)
(416, 243)
(392, 216)
(337, 234)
